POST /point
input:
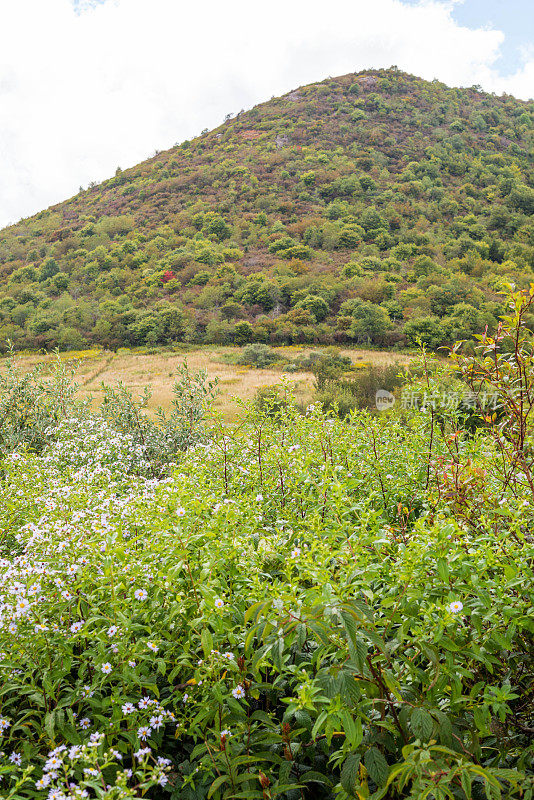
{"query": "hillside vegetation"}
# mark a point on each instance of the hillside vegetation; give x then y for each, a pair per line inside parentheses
(373, 208)
(294, 607)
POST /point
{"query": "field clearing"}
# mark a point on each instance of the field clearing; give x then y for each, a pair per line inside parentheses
(139, 369)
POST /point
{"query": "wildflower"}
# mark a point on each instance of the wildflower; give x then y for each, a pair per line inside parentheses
(228, 655)
(116, 754)
(156, 722)
(106, 668)
(85, 723)
(259, 498)
(455, 607)
(75, 752)
(4, 724)
(128, 708)
(76, 626)
(238, 692)
(185, 698)
(140, 594)
(152, 646)
(164, 762)
(87, 692)
(56, 794)
(95, 739)
(162, 780)
(295, 553)
(21, 606)
(180, 512)
(132, 664)
(43, 782)
(145, 702)
(144, 732)
(16, 758)
(224, 733)
(218, 603)
(143, 751)
(112, 630)
(12, 627)
(52, 764)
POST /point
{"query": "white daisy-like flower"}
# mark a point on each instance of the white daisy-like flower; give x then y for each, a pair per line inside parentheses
(112, 630)
(218, 602)
(22, 605)
(238, 692)
(295, 553)
(76, 626)
(455, 607)
(180, 512)
(140, 594)
(106, 668)
(128, 708)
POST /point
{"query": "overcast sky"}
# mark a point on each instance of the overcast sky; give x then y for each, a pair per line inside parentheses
(89, 86)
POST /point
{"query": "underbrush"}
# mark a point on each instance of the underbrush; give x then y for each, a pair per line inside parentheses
(301, 607)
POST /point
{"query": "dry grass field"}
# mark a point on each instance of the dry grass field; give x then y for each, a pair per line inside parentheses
(138, 369)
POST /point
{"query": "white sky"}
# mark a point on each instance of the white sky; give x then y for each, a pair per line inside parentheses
(84, 91)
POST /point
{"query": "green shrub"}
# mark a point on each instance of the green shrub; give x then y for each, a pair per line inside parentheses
(257, 355)
(32, 402)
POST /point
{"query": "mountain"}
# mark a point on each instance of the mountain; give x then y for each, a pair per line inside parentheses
(374, 207)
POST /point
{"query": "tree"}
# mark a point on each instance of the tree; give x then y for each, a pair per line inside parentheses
(315, 305)
(243, 333)
(369, 322)
(424, 330)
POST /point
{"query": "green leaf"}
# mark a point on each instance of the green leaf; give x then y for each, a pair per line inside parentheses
(49, 724)
(217, 783)
(376, 765)
(421, 724)
(353, 729)
(443, 569)
(207, 642)
(349, 773)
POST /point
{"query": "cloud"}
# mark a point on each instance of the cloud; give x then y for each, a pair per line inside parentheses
(89, 87)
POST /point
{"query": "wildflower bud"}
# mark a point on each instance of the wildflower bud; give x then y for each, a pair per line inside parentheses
(264, 780)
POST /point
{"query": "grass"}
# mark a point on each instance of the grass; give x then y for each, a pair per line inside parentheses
(138, 369)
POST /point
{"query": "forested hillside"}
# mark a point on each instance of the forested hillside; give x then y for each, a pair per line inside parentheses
(370, 208)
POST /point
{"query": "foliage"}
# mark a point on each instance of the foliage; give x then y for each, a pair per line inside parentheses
(257, 355)
(158, 442)
(307, 608)
(360, 388)
(32, 402)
